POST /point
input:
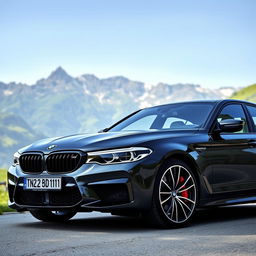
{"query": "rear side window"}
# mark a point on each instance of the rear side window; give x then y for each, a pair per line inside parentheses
(234, 111)
(252, 111)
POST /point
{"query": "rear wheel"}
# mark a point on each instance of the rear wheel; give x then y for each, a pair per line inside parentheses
(52, 216)
(175, 195)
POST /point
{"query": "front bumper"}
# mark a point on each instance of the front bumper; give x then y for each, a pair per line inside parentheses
(91, 187)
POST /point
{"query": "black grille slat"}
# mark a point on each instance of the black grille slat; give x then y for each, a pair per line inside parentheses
(31, 163)
(68, 163)
(37, 162)
(60, 162)
(24, 162)
(63, 162)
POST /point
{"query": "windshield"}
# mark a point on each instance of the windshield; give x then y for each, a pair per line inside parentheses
(180, 116)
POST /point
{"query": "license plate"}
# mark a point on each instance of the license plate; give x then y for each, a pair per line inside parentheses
(42, 183)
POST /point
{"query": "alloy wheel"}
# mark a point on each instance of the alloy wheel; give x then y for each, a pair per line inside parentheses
(177, 194)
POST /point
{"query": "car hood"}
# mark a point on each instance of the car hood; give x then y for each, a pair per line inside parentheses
(100, 141)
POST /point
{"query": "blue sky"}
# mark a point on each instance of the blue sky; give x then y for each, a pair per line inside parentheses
(207, 42)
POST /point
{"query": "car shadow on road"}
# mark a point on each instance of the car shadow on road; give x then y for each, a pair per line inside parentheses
(225, 214)
(109, 224)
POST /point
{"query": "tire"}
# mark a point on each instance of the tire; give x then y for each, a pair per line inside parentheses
(175, 196)
(52, 216)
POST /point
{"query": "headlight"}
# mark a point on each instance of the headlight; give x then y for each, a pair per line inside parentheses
(16, 157)
(115, 156)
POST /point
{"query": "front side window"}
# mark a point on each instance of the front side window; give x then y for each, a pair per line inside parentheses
(179, 116)
(234, 111)
(252, 111)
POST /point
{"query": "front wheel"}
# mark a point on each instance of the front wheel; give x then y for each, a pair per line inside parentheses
(52, 216)
(174, 197)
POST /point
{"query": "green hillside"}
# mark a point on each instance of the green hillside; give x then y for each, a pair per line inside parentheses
(248, 93)
(3, 193)
(14, 134)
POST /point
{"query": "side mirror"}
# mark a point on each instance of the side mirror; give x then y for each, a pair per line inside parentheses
(230, 125)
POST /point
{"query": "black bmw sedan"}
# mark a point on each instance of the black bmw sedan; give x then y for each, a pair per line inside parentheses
(161, 163)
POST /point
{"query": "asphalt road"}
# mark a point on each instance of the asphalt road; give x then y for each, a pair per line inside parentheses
(223, 231)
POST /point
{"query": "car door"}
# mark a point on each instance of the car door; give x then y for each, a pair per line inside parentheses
(232, 156)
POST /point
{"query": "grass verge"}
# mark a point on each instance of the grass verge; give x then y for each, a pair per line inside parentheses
(3, 193)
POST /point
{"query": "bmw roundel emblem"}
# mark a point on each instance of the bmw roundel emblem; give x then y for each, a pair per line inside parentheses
(51, 147)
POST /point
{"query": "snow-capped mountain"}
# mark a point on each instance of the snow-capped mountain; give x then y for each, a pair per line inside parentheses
(61, 104)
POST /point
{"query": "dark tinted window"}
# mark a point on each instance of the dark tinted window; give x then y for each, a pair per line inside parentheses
(234, 111)
(168, 117)
(252, 111)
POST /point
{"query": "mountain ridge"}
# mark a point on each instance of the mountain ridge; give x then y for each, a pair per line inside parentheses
(15, 133)
(247, 93)
(58, 103)
(61, 104)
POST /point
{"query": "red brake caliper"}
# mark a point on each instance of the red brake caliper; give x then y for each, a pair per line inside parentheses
(184, 193)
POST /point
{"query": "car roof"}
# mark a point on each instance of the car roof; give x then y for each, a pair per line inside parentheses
(206, 101)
